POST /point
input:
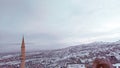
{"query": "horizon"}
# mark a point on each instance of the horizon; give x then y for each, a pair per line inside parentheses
(29, 50)
(57, 24)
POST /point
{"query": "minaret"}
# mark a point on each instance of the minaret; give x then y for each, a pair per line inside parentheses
(22, 65)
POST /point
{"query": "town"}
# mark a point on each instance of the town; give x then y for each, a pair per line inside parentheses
(104, 62)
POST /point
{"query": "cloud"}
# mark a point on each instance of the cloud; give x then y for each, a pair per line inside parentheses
(65, 22)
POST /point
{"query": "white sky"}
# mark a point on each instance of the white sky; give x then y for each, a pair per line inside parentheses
(49, 24)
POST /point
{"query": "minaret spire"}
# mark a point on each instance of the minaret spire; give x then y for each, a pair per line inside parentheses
(22, 65)
(23, 43)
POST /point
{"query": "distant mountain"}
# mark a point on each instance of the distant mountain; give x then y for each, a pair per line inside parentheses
(84, 53)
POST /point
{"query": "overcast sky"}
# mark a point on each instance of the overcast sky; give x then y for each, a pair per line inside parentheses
(50, 24)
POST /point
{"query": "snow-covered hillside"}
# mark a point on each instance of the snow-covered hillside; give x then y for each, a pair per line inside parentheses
(84, 53)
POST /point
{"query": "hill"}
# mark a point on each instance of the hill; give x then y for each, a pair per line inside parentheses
(84, 53)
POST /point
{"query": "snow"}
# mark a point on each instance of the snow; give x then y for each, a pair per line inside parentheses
(76, 66)
(52, 58)
(10, 63)
(117, 65)
(7, 56)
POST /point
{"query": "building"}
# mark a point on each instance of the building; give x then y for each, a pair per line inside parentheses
(23, 56)
(76, 66)
(112, 59)
(116, 65)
